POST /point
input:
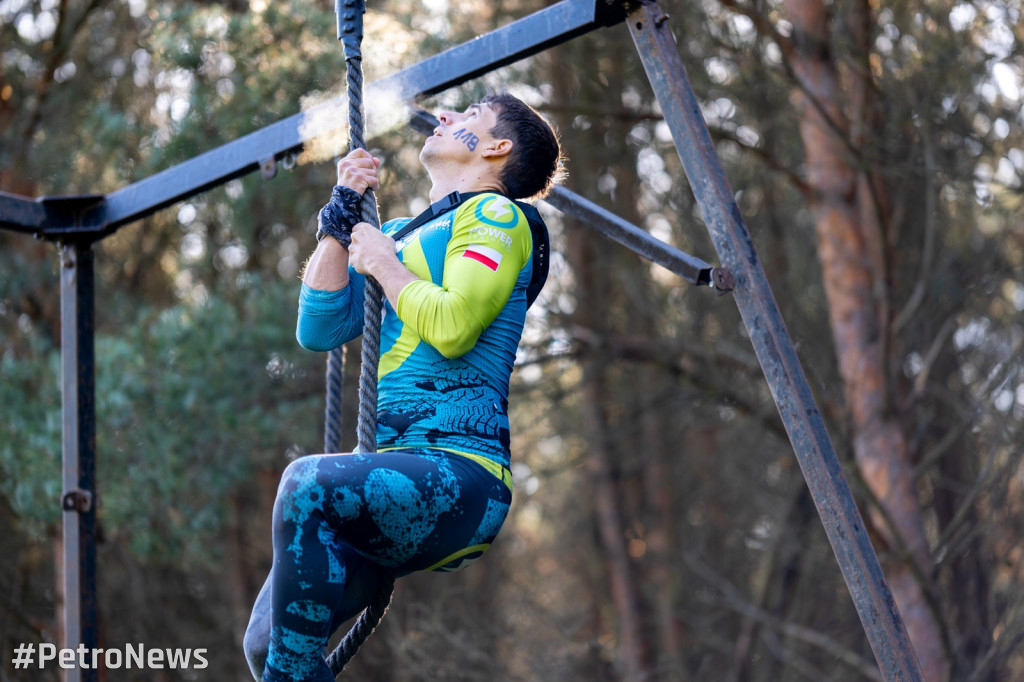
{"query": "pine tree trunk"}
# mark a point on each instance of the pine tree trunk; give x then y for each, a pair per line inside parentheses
(831, 117)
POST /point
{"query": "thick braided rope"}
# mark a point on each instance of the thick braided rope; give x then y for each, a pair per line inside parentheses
(366, 431)
(363, 627)
(332, 406)
(350, 30)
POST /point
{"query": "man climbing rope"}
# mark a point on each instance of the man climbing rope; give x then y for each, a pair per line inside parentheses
(436, 492)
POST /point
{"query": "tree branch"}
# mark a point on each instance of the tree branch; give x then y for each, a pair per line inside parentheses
(731, 598)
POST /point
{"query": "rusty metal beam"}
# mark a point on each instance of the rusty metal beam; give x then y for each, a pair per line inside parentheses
(648, 25)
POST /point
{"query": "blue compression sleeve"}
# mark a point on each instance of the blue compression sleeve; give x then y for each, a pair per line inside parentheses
(327, 319)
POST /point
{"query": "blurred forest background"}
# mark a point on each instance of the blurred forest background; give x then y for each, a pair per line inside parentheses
(661, 528)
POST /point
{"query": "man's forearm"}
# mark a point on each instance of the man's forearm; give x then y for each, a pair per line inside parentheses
(327, 269)
(373, 254)
(392, 277)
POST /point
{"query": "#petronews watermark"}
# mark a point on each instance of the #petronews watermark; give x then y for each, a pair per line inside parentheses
(132, 656)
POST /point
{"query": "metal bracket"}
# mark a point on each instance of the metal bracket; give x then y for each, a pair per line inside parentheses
(611, 12)
(722, 280)
(61, 218)
(350, 26)
(77, 500)
(719, 279)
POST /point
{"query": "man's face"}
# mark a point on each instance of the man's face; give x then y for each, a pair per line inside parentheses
(460, 136)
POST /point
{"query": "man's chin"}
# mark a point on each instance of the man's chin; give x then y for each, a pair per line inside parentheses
(427, 154)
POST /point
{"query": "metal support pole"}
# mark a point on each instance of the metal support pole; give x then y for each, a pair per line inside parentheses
(77, 295)
(773, 346)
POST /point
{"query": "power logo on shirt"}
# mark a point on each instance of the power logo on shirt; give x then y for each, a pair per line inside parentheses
(491, 234)
(497, 211)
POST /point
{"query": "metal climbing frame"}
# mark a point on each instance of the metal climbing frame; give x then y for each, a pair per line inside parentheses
(76, 222)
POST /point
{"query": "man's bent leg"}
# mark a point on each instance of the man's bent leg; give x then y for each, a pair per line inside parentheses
(360, 588)
(317, 582)
(338, 515)
(308, 580)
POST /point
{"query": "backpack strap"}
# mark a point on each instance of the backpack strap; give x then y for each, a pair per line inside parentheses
(437, 208)
(541, 251)
(538, 231)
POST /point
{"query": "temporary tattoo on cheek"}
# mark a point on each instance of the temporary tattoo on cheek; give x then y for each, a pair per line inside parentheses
(467, 138)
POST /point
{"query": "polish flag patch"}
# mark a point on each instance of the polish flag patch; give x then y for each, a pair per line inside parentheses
(483, 254)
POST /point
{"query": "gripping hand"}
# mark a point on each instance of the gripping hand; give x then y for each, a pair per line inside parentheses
(339, 215)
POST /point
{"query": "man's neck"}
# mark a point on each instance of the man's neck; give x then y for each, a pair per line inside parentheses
(464, 179)
(439, 190)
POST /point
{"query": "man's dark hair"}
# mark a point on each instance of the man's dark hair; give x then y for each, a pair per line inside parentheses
(535, 163)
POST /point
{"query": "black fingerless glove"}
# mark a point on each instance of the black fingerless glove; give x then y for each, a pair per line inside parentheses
(339, 215)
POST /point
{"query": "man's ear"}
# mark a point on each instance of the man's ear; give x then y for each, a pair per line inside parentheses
(497, 148)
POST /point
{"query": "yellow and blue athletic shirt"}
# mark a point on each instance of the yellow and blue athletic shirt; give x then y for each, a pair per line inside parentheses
(447, 352)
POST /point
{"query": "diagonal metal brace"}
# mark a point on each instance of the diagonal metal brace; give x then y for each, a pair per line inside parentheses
(692, 269)
(775, 351)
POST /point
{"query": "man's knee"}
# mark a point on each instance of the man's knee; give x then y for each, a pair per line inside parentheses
(256, 642)
(300, 478)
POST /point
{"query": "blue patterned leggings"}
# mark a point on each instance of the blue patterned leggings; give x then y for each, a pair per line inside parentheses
(340, 519)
